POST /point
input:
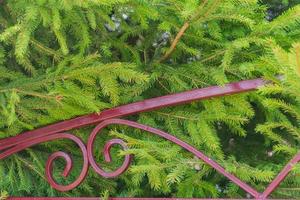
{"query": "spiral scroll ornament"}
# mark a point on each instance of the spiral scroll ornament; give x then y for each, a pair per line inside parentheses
(162, 134)
(49, 165)
(12, 145)
(184, 145)
(88, 156)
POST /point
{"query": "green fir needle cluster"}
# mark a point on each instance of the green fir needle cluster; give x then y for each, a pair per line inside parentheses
(60, 59)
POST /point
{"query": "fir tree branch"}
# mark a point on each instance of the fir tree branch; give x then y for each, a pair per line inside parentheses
(30, 93)
(212, 56)
(202, 31)
(35, 94)
(47, 50)
(175, 42)
(163, 86)
(3, 195)
(297, 51)
(187, 76)
(181, 33)
(30, 166)
(197, 14)
(177, 116)
(289, 189)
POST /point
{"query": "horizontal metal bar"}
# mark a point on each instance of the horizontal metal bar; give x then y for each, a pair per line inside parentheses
(143, 106)
(138, 107)
(115, 198)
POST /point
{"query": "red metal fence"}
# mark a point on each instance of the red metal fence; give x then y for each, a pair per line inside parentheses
(25, 140)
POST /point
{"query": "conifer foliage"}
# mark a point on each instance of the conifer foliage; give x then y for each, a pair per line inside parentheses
(60, 59)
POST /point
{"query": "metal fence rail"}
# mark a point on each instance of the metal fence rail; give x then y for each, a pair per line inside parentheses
(25, 140)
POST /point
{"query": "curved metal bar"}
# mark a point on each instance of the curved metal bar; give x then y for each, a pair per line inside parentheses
(89, 158)
(133, 108)
(53, 157)
(107, 156)
(15, 144)
(162, 134)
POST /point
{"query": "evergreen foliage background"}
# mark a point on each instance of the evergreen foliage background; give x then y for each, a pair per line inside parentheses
(276, 7)
(60, 59)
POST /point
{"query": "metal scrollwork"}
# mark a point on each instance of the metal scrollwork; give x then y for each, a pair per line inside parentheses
(56, 131)
(49, 165)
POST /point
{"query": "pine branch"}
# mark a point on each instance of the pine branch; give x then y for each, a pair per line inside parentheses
(3, 195)
(45, 49)
(214, 42)
(175, 42)
(31, 167)
(181, 33)
(177, 116)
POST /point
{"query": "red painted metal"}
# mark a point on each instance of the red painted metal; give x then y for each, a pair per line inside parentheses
(112, 198)
(15, 144)
(280, 177)
(54, 156)
(133, 108)
(106, 153)
(167, 136)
